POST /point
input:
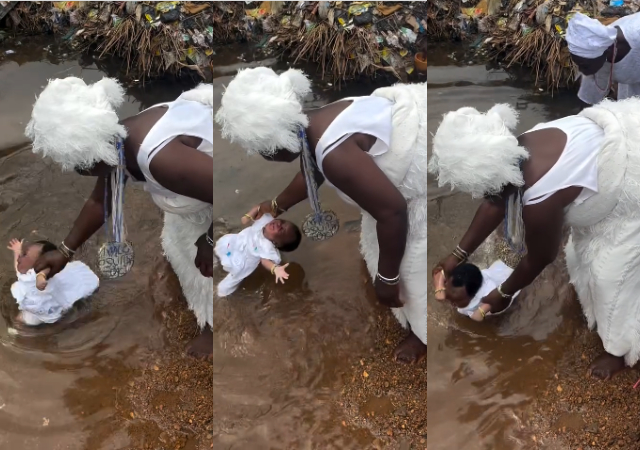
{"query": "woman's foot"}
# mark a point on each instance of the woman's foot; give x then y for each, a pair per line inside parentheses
(606, 366)
(202, 346)
(410, 350)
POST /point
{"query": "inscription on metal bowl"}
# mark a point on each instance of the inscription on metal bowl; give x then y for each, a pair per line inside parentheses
(115, 259)
(322, 227)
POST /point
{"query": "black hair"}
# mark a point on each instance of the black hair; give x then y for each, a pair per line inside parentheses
(467, 276)
(293, 245)
(46, 246)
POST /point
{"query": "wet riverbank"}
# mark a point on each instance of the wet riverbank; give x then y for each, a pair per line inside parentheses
(517, 382)
(286, 371)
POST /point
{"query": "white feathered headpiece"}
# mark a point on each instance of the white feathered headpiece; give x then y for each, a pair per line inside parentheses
(75, 124)
(262, 111)
(478, 153)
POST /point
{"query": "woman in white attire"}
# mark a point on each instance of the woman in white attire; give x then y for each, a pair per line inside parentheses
(594, 46)
(373, 151)
(168, 147)
(583, 171)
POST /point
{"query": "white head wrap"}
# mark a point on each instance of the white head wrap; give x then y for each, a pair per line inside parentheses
(262, 111)
(477, 153)
(75, 124)
(588, 38)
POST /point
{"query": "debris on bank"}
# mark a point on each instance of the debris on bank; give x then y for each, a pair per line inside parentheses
(528, 33)
(152, 38)
(345, 39)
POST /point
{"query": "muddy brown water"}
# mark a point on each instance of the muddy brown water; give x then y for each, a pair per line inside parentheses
(483, 377)
(280, 352)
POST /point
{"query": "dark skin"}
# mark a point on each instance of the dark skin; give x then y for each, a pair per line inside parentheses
(592, 66)
(179, 167)
(352, 171)
(543, 230)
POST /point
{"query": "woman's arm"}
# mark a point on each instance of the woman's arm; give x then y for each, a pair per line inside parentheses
(293, 194)
(489, 215)
(184, 170)
(91, 217)
(355, 173)
(543, 234)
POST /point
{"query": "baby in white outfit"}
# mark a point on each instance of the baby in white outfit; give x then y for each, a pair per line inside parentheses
(241, 253)
(467, 285)
(41, 300)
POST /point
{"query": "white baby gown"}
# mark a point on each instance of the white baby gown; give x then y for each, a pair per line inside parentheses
(240, 254)
(75, 282)
(492, 277)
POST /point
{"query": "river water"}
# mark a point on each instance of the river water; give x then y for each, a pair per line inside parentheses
(280, 353)
(483, 377)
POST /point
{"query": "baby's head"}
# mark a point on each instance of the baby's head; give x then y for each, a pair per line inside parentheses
(285, 235)
(31, 251)
(463, 284)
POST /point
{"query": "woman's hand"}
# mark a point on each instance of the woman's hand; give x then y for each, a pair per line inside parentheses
(447, 265)
(496, 301)
(262, 209)
(281, 274)
(204, 257)
(54, 261)
(388, 295)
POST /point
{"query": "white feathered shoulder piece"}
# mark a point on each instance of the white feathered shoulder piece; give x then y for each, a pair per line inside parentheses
(478, 153)
(203, 93)
(262, 111)
(75, 124)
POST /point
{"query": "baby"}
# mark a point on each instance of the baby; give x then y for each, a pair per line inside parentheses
(41, 300)
(240, 254)
(468, 285)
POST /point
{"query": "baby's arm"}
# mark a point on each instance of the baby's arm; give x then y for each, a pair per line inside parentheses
(250, 216)
(278, 271)
(41, 279)
(480, 313)
(16, 247)
(438, 282)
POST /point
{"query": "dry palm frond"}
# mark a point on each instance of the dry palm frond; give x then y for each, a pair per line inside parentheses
(340, 54)
(146, 51)
(538, 49)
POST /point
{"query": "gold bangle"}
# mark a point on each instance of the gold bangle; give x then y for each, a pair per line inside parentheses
(440, 290)
(275, 208)
(249, 217)
(459, 256)
(273, 269)
(482, 313)
(41, 274)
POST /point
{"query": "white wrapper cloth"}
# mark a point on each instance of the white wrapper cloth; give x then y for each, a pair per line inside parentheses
(240, 254)
(75, 282)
